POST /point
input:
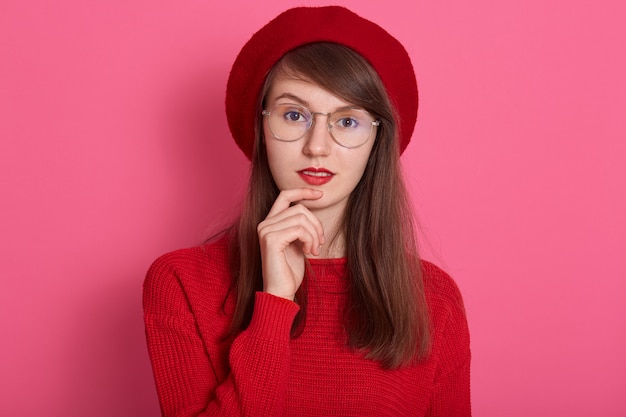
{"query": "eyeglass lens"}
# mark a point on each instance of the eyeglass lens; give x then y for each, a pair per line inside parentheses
(349, 127)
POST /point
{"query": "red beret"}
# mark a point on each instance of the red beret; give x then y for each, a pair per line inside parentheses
(302, 25)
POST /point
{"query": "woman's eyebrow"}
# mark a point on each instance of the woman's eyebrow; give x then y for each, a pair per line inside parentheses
(294, 98)
(307, 105)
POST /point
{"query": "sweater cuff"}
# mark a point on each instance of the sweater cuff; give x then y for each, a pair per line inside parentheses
(273, 316)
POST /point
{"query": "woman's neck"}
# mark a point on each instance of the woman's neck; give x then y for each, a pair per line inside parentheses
(335, 245)
(333, 248)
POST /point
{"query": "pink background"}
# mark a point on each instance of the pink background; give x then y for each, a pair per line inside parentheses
(114, 149)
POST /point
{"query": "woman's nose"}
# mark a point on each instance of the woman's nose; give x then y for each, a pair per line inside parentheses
(318, 140)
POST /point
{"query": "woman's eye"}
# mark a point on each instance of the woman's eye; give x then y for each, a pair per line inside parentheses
(294, 116)
(347, 122)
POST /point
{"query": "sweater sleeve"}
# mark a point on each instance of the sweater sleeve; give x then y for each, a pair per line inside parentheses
(187, 381)
(451, 391)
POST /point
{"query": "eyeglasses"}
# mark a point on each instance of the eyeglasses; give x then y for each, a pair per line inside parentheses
(350, 128)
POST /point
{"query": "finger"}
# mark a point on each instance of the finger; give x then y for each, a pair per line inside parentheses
(295, 237)
(297, 221)
(287, 197)
(297, 212)
(277, 240)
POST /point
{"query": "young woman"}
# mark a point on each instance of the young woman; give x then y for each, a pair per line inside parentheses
(315, 302)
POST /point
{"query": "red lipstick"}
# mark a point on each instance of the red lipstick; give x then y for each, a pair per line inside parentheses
(316, 176)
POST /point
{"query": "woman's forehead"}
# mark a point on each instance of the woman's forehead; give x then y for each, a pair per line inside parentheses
(304, 92)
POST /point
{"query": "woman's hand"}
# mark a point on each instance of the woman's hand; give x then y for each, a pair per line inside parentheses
(288, 233)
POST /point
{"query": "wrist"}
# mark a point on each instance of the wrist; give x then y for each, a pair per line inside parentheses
(280, 293)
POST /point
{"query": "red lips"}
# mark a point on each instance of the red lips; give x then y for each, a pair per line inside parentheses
(316, 176)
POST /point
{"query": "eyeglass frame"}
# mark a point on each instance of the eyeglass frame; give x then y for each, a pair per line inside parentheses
(329, 126)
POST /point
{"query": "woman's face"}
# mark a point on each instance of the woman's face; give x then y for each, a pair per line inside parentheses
(316, 160)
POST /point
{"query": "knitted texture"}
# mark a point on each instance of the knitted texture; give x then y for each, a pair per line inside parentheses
(263, 372)
(300, 26)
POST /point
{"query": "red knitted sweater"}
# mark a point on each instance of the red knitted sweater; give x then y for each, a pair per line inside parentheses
(264, 372)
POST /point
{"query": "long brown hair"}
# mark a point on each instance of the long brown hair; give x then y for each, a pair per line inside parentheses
(387, 317)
